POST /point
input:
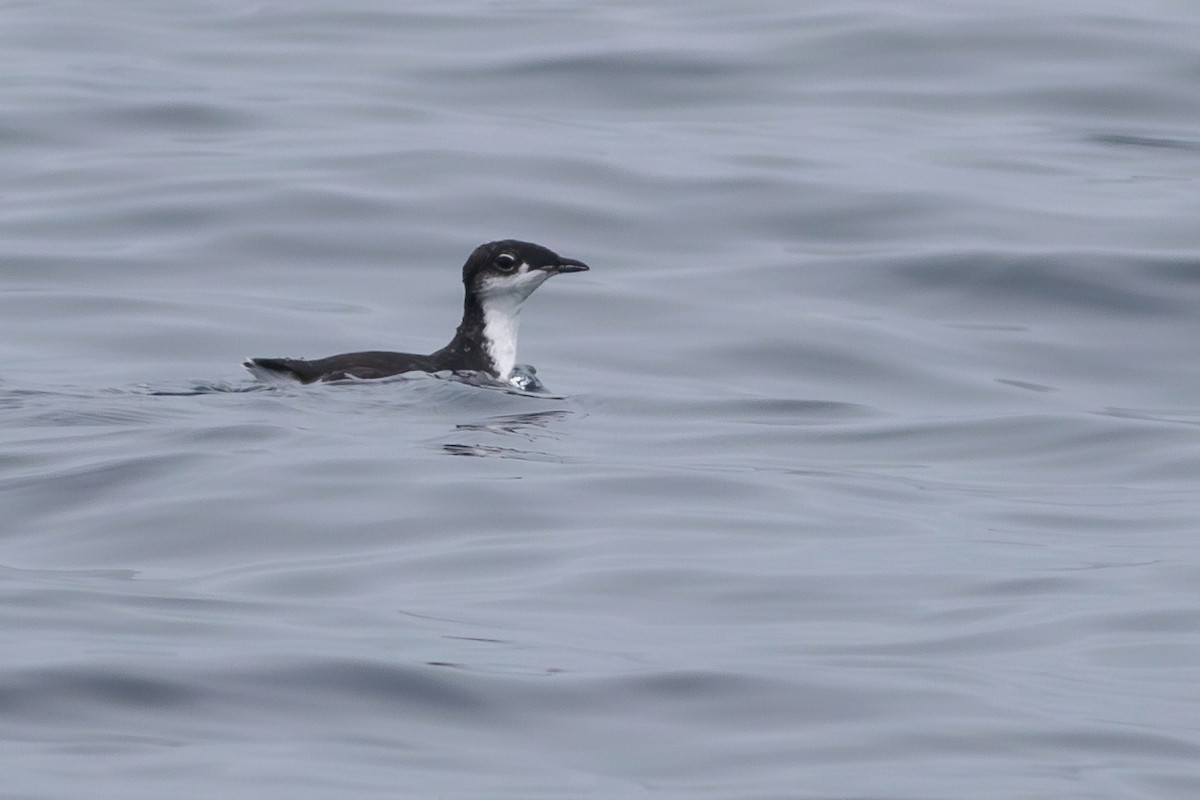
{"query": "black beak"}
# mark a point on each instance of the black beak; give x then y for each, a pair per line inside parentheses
(566, 265)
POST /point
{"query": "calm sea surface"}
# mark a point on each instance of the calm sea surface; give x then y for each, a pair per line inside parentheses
(872, 468)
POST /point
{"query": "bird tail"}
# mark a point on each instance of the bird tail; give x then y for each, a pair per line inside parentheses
(274, 370)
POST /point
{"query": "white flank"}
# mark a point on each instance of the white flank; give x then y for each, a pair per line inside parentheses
(502, 297)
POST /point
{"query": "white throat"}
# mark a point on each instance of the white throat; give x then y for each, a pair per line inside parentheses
(500, 323)
(501, 299)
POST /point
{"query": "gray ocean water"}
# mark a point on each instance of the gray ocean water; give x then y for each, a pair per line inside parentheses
(871, 466)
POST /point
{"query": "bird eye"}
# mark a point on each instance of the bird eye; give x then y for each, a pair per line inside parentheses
(506, 262)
